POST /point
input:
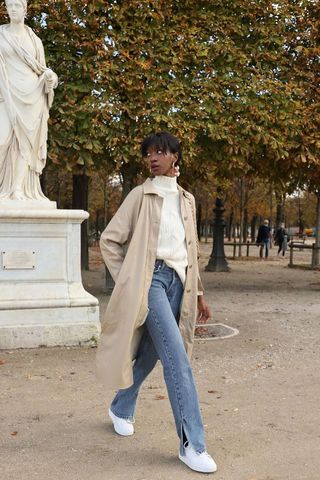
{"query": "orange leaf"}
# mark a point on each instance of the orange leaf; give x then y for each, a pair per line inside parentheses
(159, 397)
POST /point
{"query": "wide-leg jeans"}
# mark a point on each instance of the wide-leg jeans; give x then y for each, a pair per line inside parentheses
(162, 340)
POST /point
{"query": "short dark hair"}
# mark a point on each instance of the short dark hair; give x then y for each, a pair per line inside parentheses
(163, 141)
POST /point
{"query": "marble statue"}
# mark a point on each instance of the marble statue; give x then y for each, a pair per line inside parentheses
(26, 95)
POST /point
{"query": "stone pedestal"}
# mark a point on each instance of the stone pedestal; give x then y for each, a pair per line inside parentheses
(42, 299)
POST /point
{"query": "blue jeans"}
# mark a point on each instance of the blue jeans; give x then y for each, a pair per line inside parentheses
(162, 340)
(264, 244)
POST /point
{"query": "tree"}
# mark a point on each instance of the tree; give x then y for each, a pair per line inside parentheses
(236, 81)
(152, 72)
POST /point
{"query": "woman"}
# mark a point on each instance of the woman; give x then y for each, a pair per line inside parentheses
(150, 248)
(280, 239)
(26, 94)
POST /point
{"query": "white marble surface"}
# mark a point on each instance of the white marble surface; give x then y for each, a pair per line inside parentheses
(26, 95)
(49, 327)
(47, 304)
(46, 204)
(42, 299)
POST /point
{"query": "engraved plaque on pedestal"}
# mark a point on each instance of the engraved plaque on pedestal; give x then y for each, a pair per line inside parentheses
(18, 260)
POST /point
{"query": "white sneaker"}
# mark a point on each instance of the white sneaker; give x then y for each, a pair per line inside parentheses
(121, 425)
(200, 462)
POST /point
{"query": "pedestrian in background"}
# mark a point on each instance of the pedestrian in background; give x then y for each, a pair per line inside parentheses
(281, 239)
(264, 238)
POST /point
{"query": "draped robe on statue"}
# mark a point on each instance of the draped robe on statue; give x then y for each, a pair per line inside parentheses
(24, 112)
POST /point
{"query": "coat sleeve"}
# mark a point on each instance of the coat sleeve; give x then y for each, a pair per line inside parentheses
(193, 205)
(119, 231)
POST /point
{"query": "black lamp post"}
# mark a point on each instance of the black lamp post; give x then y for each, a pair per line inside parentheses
(218, 262)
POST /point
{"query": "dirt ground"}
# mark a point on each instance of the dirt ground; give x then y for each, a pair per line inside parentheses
(259, 391)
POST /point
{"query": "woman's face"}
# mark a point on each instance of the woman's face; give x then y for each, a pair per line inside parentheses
(16, 10)
(160, 162)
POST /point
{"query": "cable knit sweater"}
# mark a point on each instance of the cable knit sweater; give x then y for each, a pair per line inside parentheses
(172, 241)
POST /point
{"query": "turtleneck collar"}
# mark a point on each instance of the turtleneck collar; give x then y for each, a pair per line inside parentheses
(168, 184)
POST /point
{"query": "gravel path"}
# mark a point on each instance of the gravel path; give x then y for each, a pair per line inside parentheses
(259, 391)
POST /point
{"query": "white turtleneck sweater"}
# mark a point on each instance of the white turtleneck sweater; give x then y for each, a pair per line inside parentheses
(172, 240)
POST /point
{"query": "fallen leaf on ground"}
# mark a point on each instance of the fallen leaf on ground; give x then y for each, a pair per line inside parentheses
(14, 434)
(212, 391)
(2, 362)
(159, 397)
(201, 331)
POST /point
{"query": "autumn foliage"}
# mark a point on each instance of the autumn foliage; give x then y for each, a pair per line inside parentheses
(235, 80)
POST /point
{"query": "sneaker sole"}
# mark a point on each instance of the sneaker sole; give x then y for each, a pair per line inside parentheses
(196, 469)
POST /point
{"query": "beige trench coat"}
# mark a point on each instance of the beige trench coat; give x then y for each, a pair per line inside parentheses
(128, 246)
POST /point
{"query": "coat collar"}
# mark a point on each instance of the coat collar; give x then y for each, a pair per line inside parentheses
(149, 189)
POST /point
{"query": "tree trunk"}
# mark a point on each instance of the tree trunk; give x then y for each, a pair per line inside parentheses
(245, 225)
(234, 230)
(253, 228)
(199, 220)
(241, 217)
(97, 223)
(271, 207)
(230, 224)
(280, 209)
(207, 223)
(129, 174)
(300, 217)
(105, 204)
(317, 242)
(245, 211)
(80, 202)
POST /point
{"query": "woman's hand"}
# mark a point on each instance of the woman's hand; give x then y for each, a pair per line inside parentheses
(204, 312)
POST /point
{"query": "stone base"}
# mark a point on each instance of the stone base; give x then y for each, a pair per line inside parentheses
(49, 327)
(219, 265)
(42, 299)
(28, 204)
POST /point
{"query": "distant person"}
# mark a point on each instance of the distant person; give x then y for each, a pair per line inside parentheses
(263, 238)
(281, 239)
(284, 244)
